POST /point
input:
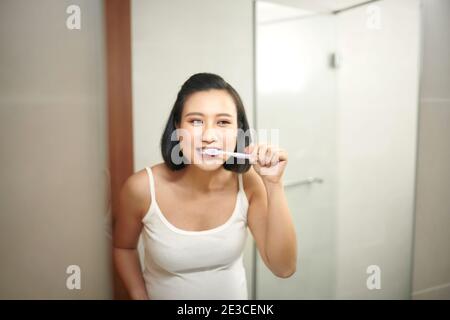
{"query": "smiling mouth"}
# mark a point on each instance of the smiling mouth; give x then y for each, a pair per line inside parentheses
(212, 150)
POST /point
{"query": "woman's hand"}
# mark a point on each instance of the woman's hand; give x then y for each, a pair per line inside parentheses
(269, 162)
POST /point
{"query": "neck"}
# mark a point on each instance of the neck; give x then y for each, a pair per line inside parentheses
(204, 180)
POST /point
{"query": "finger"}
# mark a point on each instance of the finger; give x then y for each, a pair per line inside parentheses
(283, 156)
(275, 158)
(249, 149)
(253, 151)
(253, 159)
(269, 155)
(262, 149)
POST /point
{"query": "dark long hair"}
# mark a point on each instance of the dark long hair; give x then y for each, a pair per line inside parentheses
(204, 82)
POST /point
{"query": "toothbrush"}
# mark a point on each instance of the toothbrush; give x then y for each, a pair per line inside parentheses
(215, 152)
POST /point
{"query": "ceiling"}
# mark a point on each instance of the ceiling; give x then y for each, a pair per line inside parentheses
(319, 5)
(273, 10)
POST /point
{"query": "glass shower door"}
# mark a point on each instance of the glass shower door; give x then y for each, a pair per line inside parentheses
(296, 94)
(342, 89)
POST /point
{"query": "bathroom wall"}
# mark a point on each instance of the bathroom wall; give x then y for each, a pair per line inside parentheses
(431, 264)
(53, 174)
(171, 40)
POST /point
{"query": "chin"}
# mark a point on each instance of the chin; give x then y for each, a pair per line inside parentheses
(209, 165)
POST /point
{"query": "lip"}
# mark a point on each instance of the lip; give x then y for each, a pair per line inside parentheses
(209, 147)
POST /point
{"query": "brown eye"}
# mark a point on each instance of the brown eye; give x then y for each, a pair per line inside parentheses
(223, 122)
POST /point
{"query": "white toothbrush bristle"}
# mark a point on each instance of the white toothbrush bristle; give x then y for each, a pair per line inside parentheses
(211, 152)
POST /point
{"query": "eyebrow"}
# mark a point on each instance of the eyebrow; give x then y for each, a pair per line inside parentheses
(201, 114)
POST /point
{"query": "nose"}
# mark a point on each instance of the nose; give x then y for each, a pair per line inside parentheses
(210, 134)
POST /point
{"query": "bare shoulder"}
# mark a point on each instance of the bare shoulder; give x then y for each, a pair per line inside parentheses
(162, 173)
(253, 184)
(135, 196)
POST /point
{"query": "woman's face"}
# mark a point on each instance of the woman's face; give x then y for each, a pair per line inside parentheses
(208, 120)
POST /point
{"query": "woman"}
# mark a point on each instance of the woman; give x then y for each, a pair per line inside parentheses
(194, 208)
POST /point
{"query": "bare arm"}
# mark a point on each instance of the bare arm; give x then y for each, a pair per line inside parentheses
(127, 228)
(281, 243)
(269, 217)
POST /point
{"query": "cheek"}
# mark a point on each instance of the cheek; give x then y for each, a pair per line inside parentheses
(190, 139)
(230, 140)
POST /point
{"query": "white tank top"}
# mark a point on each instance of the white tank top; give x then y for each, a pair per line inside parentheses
(207, 264)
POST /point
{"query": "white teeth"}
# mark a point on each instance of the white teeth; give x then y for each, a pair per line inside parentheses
(211, 151)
